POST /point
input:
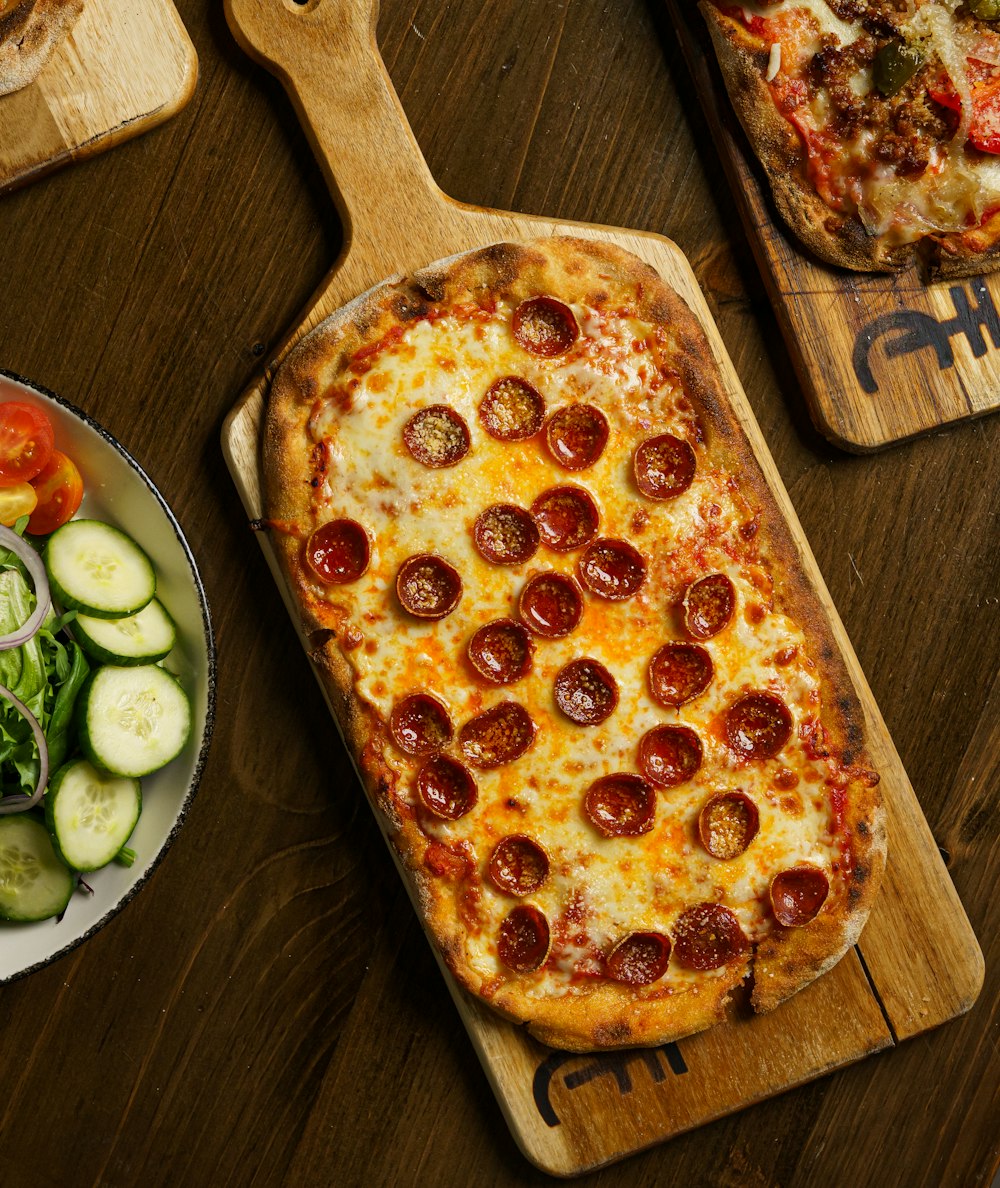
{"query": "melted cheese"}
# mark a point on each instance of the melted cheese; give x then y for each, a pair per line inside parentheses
(598, 889)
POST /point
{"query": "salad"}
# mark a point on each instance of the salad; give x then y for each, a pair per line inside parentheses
(86, 707)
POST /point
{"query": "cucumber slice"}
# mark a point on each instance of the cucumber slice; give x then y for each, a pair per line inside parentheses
(90, 815)
(34, 884)
(143, 638)
(133, 720)
(97, 569)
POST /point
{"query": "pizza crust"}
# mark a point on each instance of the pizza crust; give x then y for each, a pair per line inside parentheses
(954, 257)
(607, 1014)
(614, 1017)
(29, 33)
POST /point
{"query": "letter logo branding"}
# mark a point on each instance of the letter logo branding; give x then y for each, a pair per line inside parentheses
(613, 1064)
(908, 330)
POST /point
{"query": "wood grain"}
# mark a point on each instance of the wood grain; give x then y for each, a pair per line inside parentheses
(880, 358)
(124, 69)
(268, 1011)
(397, 219)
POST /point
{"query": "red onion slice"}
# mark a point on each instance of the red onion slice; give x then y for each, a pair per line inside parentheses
(20, 802)
(36, 568)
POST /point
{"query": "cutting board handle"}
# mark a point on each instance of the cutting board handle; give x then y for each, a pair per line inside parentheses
(325, 54)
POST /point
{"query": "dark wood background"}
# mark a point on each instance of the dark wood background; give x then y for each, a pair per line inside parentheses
(268, 1011)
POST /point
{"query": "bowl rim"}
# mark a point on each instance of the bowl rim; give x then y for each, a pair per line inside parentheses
(210, 677)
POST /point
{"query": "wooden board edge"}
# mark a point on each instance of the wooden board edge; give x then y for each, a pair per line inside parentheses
(534, 1136)
(130, 126)
(569, 1169)
(172, 103)
(958, 989)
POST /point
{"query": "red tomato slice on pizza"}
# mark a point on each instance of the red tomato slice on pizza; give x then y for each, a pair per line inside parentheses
(984, 123)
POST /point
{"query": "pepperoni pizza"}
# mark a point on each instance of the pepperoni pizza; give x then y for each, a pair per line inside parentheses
(563, 627)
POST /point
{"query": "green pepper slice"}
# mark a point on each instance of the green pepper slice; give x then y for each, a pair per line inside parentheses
(896, 63)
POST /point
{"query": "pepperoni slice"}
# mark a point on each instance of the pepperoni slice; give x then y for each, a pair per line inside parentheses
(708, 605)
(664, 466)
(678, 673)
(669, 755)
(428, 586)
(501, 651)
(621, 805)
(567, 518)
(708, 936)
(545, 326)
(586, 692)
(338, 552)
(758, 725)
(551, 604)
(612, 569)
(446, 787)
(576, 435)
(420, 725)
(512, 410)
(518, 865)
(506, 534)
(727, 824)
(497, 736)
(798, 894)
(437, 436)
(523, 943)
(639, 959)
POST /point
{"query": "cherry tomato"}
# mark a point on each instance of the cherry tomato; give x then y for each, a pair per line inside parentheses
(26, 441)
(17, 500)
(59, 489)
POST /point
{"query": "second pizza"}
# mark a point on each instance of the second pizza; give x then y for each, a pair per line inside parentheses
(877, 123)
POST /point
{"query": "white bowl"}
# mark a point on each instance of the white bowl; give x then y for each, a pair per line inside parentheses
(117, 490)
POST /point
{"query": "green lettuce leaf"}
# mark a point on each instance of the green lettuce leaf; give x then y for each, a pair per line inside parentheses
(46, 673)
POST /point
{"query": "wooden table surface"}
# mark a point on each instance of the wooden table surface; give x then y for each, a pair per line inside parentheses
(267, 1011)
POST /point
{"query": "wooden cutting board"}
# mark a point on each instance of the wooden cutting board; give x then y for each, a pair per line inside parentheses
(572, 1112)
(880, 358)
(124, 69)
